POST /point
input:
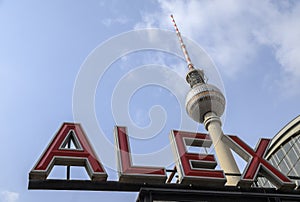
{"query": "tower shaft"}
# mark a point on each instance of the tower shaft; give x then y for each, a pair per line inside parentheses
(226, 160)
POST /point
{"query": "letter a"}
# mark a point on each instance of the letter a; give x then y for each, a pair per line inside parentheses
(60, 152)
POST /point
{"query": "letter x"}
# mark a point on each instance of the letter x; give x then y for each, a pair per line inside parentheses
(257, 163)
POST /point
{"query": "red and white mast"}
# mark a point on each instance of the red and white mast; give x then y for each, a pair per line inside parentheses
(184, 50)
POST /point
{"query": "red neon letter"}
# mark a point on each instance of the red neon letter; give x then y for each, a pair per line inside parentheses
(192, 167)
(257, 163)
(128, 172)
(57, 153)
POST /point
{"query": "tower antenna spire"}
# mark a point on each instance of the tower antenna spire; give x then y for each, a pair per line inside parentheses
(183, 48)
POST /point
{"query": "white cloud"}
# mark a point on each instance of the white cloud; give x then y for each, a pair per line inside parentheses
(162, 59)
(8, 196)
(110, 21)
(234, 31)
(282, 32)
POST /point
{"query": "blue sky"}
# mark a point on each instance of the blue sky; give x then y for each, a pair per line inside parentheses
(44, 46)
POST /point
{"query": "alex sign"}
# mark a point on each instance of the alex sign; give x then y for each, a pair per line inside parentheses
(192, 168)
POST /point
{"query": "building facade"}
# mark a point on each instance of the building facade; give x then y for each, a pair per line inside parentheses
(284, 153)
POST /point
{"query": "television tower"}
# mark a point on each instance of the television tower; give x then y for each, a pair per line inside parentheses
(205, 103)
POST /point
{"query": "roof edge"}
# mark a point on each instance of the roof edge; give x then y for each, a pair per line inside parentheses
(288, 131)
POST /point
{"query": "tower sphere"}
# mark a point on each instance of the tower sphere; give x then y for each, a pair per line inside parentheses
(204, 98)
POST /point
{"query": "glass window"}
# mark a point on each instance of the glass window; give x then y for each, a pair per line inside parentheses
(287, 147)
(273, 161)
(288, 162)
(283, 167)
(297, 146)
(259, 182)
(265, 182)
(276, 159)
(280, 154)
(268, 184)
(297, 138)
(262, 181)
(292, 156)
(297, 167)
(293, 140)
(292, 173)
